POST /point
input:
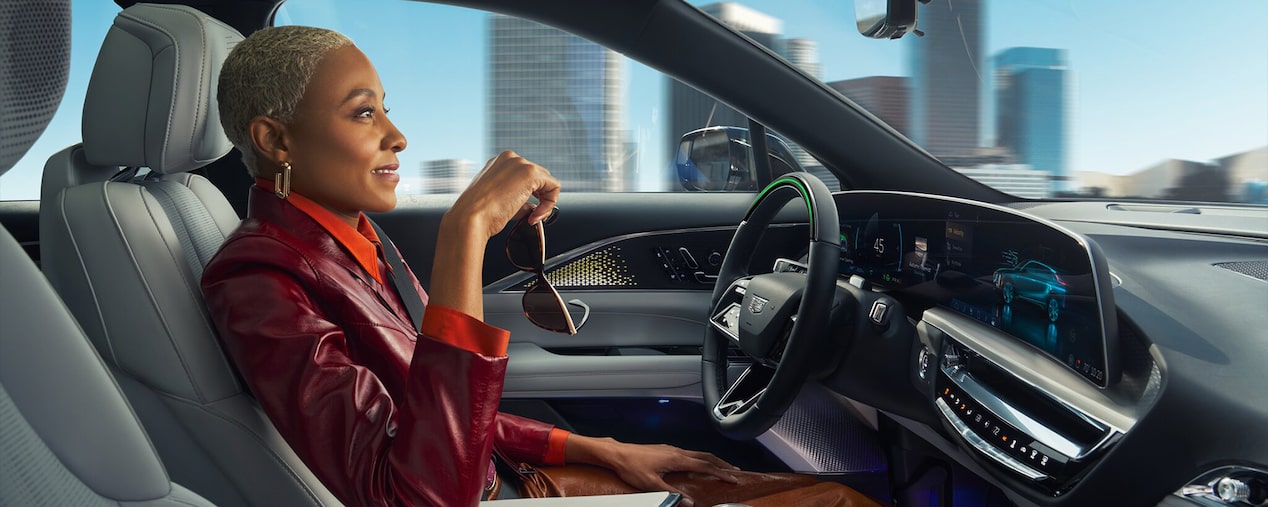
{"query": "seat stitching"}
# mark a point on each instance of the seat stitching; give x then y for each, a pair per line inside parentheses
(145, 283)
(277, 458)
(92, 288)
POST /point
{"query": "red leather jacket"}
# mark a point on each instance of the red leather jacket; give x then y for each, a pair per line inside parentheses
(382, 414)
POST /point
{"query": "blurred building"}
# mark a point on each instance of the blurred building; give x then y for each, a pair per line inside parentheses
(945, 67)
(1240, 177)
(1030, 108)
(1016, 179)
(1247, 174)
(446, 176)
(803, 54)
(883, 96)
(556, 99)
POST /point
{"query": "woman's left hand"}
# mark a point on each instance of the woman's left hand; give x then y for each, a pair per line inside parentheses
(645, 466)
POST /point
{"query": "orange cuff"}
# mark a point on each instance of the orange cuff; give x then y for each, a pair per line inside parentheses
(465, 332)
(555, 446)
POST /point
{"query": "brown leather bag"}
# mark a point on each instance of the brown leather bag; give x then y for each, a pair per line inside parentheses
(754, 488)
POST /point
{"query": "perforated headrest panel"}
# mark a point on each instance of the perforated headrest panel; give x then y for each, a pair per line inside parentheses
(35, 54)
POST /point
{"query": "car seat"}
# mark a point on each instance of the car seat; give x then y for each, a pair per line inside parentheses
(67, 435)
(125, 232)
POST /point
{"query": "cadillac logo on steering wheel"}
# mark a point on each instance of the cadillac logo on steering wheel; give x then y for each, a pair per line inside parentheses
(757, 304)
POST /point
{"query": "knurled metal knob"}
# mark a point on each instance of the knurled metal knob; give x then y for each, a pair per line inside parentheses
(1232, 490)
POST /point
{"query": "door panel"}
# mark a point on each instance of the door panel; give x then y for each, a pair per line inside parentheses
(642, 339)
(584, 218)
(643, 264)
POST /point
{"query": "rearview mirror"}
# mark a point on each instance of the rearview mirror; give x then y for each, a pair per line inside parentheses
(885, 19)
(721, 159)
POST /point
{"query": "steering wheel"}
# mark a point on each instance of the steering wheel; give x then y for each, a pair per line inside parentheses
(777, 319)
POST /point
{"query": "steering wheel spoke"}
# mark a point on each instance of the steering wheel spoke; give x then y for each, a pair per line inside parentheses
(744, 392)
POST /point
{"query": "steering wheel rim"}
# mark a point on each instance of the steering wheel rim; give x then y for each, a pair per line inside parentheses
(781, 318)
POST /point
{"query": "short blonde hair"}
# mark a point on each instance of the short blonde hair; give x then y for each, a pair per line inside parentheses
(266, 74)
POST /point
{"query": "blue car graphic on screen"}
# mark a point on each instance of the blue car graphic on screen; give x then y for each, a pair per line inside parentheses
(1035, 282)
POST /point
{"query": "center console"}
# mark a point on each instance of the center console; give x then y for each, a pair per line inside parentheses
(1019, 351)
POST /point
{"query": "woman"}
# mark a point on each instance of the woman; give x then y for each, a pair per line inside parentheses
(382, 411)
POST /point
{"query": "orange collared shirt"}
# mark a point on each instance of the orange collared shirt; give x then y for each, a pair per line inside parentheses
(362, 242)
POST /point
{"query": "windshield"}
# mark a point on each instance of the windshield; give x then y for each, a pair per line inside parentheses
(1037, 98)
(1054, 98)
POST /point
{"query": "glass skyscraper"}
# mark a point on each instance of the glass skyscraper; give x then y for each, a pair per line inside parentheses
(946, 66)
(556, 99)
(1030, 109)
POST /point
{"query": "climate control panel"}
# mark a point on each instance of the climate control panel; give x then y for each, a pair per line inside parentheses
(1020, 429)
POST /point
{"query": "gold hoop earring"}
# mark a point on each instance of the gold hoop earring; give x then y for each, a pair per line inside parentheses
(282, 181)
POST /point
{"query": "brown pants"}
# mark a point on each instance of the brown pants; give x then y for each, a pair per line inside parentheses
(755, 489)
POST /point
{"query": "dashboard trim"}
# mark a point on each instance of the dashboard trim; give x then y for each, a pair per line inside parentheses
(1037, 370)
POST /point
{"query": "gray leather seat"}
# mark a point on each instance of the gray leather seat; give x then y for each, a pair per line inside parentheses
(125, 233)
(67, 436)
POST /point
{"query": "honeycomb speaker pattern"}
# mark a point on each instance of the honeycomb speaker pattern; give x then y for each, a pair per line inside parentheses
(606, 267)
(35, 47)
(1257, 269)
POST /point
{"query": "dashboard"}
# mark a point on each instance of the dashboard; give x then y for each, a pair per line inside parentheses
(1037, 282)
(1060, 356)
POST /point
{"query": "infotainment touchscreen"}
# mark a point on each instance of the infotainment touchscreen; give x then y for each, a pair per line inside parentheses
(1023, 276)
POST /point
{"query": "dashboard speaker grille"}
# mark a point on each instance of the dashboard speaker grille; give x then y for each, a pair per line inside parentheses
(1257, 269)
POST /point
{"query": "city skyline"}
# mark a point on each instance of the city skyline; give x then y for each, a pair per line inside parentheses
(1136, 98)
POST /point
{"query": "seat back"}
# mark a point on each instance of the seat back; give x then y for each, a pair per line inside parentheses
(67, 435)
(125, 233)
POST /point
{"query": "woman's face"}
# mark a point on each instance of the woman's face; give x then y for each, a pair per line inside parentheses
(341, 146)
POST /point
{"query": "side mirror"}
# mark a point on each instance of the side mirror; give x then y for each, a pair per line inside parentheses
(885, 19)
(721, 159)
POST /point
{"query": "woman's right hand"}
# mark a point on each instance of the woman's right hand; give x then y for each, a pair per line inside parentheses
(500, 192)
(497, 195)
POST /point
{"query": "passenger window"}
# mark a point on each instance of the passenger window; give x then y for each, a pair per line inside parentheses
(465, 84)
(89, 23)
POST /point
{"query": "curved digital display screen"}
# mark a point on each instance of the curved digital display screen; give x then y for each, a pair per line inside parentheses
(1017, 274)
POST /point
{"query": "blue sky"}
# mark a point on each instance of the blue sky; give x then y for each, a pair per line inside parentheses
(1150, 80)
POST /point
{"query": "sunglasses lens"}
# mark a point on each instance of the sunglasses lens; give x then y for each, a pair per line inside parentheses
(543, 307)
(524, 247)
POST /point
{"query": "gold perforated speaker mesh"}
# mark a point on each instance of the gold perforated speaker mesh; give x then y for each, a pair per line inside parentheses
(606, 267)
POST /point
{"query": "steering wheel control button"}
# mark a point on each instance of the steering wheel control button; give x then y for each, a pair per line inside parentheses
(859, 282)
(879, 313)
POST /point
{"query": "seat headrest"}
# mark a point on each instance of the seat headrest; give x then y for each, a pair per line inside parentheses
(34, 63)
(152, 96)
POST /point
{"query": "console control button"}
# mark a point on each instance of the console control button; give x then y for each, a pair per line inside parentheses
(1232, 490)
(688, 258)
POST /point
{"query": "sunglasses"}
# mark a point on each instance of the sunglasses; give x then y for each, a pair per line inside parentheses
(526, 249)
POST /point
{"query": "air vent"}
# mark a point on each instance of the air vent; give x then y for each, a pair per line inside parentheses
(1257, 269)
(1155, 208)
